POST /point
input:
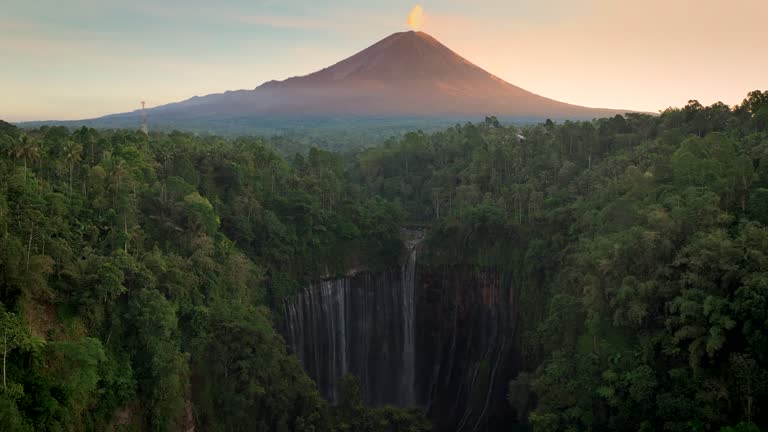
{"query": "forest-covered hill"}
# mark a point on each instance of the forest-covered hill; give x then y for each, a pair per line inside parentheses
(139, 275)
(136, 275)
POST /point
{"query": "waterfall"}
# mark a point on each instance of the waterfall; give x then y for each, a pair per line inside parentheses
(440, 338)
(363, 325)
(408, 367)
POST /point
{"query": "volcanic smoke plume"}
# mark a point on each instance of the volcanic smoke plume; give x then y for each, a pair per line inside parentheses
(416, 17)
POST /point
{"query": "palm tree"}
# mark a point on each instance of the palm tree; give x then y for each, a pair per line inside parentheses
(73, 154)
(25, 148)
(85, 137)
(15, 150)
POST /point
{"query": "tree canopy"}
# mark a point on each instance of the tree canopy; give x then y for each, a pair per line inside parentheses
(140, 274)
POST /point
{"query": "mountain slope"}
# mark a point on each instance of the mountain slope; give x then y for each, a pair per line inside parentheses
(408, 73)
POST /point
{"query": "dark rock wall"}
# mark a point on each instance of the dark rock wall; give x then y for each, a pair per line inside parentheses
(443, 339)
(466, 347)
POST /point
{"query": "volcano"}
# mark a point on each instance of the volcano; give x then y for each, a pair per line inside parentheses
(406, 75)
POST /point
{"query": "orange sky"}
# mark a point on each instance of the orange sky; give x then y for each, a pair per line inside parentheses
(89, 58)
(622, 54)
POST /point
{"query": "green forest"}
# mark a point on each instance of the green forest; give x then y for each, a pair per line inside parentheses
(142, 276)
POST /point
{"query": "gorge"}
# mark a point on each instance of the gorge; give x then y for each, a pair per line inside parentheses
(439, 338)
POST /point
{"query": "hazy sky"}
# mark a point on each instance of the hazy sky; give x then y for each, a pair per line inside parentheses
(70, 59)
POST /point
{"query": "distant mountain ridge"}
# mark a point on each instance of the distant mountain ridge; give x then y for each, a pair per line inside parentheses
(405, 75)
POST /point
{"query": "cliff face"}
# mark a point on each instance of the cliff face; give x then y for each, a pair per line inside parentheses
(466, 347)
(442, 339)
(363, 325)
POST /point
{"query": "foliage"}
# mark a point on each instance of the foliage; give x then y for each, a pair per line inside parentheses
(138, 274)
(136, 271)
(351, 414)
(639, 244)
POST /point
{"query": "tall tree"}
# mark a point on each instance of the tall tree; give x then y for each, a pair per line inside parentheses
(10, 337)
(73, 153)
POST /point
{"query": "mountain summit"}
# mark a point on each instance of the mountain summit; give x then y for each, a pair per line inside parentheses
(401, 57)
(405, 74)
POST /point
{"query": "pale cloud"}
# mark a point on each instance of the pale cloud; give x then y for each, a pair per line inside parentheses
(226, 14)
(329, 20)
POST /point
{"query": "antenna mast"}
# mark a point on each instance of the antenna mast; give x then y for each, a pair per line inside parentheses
(144, 127)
